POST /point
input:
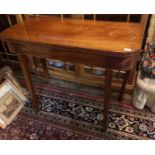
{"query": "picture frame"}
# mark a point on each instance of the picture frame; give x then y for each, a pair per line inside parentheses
(12, 100)
(6, 73)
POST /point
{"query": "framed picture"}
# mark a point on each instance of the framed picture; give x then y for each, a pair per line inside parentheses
(6, 74)
(11, 102)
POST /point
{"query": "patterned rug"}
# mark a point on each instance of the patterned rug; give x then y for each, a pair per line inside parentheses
(65, 115)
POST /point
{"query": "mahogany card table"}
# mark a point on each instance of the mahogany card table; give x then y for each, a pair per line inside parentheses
(111, 45)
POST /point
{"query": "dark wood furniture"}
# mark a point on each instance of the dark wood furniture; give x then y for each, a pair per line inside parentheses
(83, 42)
(87, 75)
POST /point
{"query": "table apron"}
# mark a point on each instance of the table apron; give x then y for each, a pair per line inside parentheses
(76, 55)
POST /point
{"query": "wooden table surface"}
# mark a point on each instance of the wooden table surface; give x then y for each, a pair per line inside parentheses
(98, 35)
(94, 43)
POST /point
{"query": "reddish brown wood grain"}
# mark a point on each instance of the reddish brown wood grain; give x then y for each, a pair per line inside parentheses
(101, 35)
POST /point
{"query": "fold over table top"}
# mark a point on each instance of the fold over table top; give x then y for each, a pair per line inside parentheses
(89, 34)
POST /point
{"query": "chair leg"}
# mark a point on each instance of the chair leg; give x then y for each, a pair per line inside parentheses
(35, 63)
(125, 79)
(45, 68)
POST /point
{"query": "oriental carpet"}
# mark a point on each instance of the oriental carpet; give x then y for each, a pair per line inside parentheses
(67, 115)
